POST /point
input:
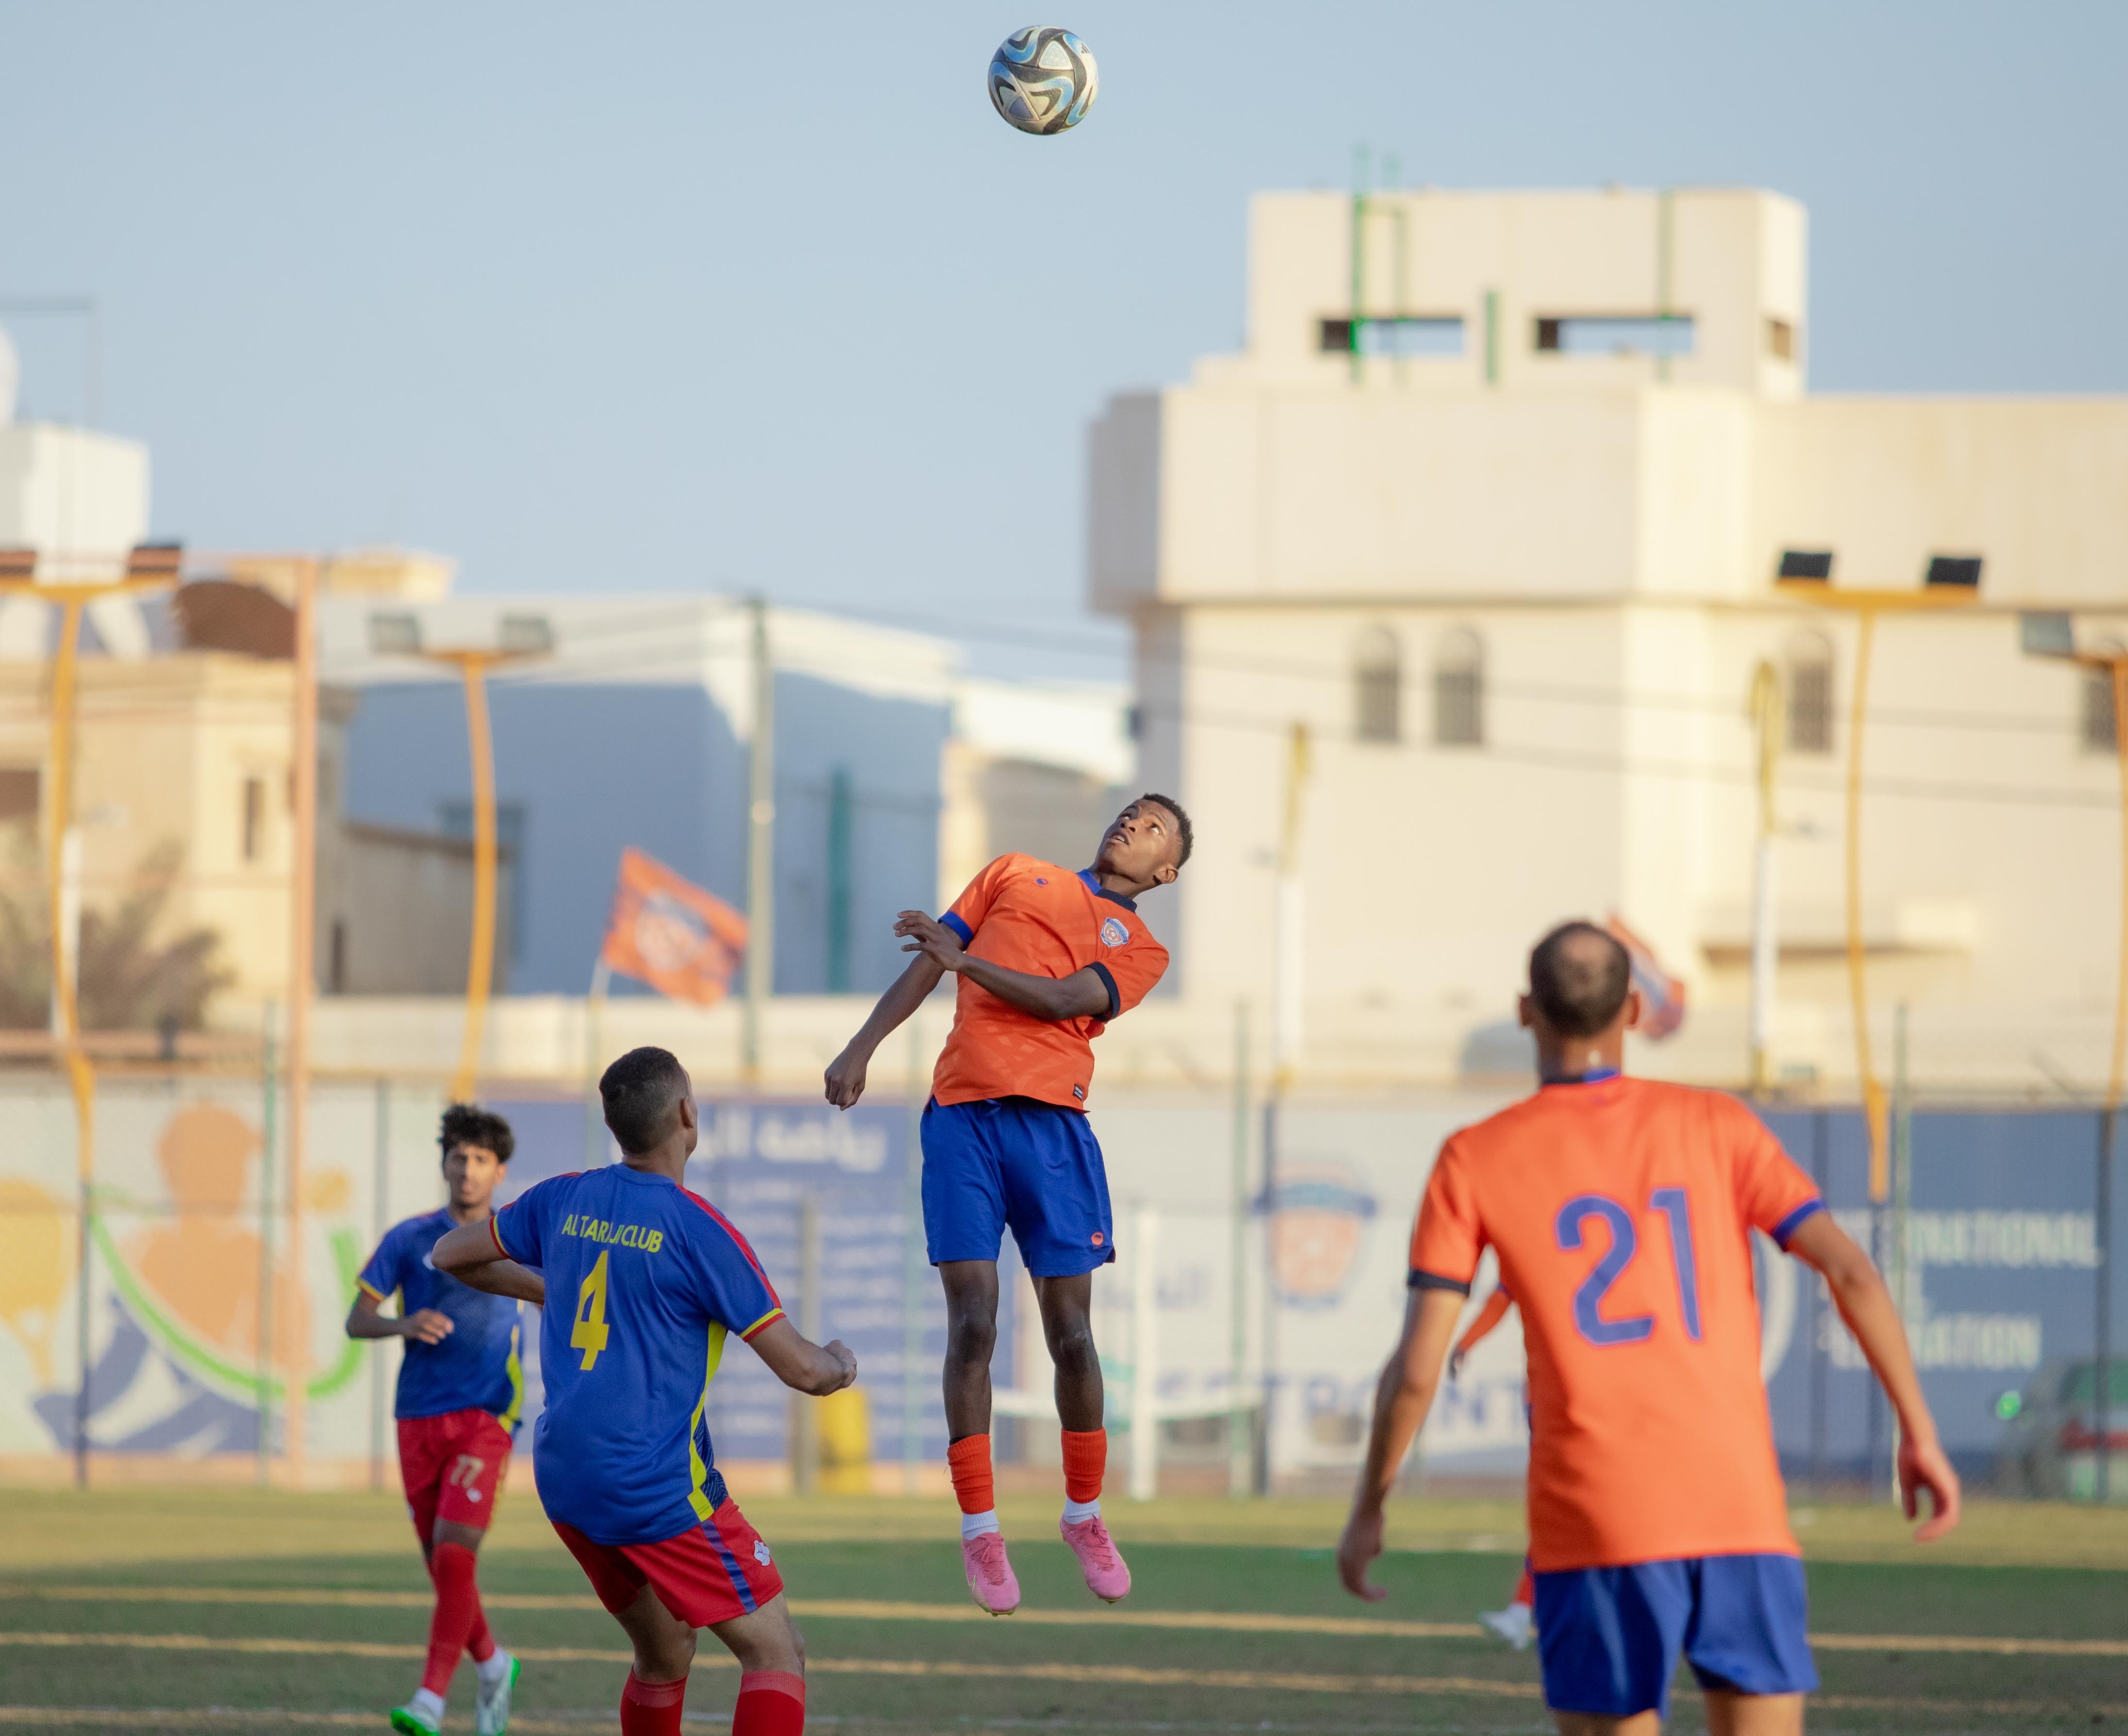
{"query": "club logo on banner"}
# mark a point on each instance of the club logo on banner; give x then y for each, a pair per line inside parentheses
(1318, 1220)
(669, 933)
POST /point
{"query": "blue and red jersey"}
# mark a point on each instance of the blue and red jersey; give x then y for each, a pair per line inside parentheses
(645, 1280)
(475, 1367)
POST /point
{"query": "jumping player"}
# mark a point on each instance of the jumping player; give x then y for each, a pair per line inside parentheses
(460, 1392)
(1621, 1211)
(1516, 1624)
(652, 1279)
(1046, 958)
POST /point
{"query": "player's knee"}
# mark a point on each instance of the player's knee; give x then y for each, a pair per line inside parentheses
(970, 1337)
(1070, 1340)
(666, 1656)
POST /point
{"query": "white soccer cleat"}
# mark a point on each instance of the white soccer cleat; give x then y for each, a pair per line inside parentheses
(1516, 1624)
(491, 1713)
(411, 1720)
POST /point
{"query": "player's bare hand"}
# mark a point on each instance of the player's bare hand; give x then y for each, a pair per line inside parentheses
(846, 1078)
(1455, 1358)
(846, 1360)
(1923, 1466)
(427, 1325)
(1357, 1550)
(928, 935)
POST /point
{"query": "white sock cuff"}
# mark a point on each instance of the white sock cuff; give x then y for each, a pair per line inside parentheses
(495, 1663)
(978, 1524)
(427, 1701)
(1078, 1512)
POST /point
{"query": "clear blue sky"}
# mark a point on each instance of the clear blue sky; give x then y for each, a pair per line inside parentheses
(653, 297)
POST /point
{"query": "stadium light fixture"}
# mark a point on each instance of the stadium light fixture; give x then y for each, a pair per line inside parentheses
(2051, 634)
(1952, 582)
(519, 638)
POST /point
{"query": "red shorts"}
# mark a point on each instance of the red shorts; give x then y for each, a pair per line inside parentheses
(716, 1572)
(452, 1466)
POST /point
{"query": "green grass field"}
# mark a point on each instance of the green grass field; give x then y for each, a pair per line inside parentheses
(184, 1611)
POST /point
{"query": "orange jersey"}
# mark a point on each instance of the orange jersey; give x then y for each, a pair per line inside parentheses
(1045, 921)
(1621, 1211)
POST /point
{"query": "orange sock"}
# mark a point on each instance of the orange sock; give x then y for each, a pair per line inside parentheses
(1086, 1459)
(969, 1461)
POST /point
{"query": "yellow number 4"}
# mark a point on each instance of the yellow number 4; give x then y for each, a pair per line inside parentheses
(589, 1334)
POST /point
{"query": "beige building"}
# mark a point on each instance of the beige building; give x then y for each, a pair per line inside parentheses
(1503, 537)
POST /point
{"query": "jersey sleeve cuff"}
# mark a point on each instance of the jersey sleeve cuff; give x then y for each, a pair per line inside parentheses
(495, 1229)
(369, 1289)
(965, 933)
(774, 1314)
(1795, 1221)
(1422, 1279)
(1108, 982)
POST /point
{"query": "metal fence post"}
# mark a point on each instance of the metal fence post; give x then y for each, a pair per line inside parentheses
(805, 1410)
(913, 1264)
(2101, 1396)
(380, 1220)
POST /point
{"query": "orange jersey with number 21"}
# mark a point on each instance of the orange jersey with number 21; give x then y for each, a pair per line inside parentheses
(1622, 1210)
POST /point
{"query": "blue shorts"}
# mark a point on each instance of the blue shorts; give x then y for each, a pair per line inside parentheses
(1016, 1162)
(1608, 1638)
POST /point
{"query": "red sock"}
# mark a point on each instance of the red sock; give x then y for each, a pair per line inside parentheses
(771, 1703)
(652, 1708)
(458, 1607)
(480, 1643)
(969, 1461)
(1086, 1459)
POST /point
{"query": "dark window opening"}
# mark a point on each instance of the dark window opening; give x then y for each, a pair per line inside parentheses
(1780, 339)
(1402, 335)
(1378, 687)
(1810, 694)
(336, 959)
(20, 790)
(2097, 728)
(1805, 564)
(1458, 690)
(1655, 334)
(1960, 570)
(254, 818)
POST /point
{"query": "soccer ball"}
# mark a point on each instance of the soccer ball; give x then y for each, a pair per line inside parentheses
(1043, 79)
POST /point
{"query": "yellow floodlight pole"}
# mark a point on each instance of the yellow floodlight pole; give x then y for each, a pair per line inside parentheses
(1938, 592)
(2053, 634)
(152, 566)
(473, 664)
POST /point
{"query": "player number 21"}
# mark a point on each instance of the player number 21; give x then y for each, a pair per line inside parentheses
(589, 1333)
(1625, 1241)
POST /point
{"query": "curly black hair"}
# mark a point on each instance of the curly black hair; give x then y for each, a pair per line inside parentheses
(1187, 834)
(467, 1124)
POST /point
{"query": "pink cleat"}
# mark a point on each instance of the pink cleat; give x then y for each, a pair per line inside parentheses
(989, 1574)
(1107, 1578)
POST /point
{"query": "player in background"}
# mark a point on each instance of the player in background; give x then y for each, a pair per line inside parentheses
(460, 1392)
(650, 1280)
(1621, 1211)
(1517, 1623)
(1046, 958)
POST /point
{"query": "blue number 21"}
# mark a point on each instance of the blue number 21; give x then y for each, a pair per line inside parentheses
(1588, 1299)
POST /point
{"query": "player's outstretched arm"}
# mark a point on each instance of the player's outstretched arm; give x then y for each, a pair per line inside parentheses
(470, 1255)
(1404, 1395)
(799, 1364)
(1867, 1307)
(846, 1072)
(366, 1320)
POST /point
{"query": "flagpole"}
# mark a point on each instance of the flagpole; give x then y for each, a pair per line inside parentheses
(594, 1105)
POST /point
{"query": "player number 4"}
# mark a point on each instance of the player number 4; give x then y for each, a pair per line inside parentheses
(1588, 1318)
(589, 1333)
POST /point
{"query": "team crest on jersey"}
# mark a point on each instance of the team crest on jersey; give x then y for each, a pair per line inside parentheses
(1114, 933)
(761, 1552)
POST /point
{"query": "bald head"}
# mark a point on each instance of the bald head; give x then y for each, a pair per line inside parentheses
(1579, 977)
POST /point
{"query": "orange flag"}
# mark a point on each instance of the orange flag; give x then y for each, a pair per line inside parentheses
(669, 933)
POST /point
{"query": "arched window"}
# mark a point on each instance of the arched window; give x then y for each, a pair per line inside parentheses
(1378, 687)
(1809, 662)
(2097, 720)
(1458, 690)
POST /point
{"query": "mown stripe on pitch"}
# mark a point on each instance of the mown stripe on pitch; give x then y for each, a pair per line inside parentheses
(1294, 1681)
(859, 1609)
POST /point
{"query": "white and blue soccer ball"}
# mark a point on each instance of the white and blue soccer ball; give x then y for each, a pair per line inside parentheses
(1043, 79)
